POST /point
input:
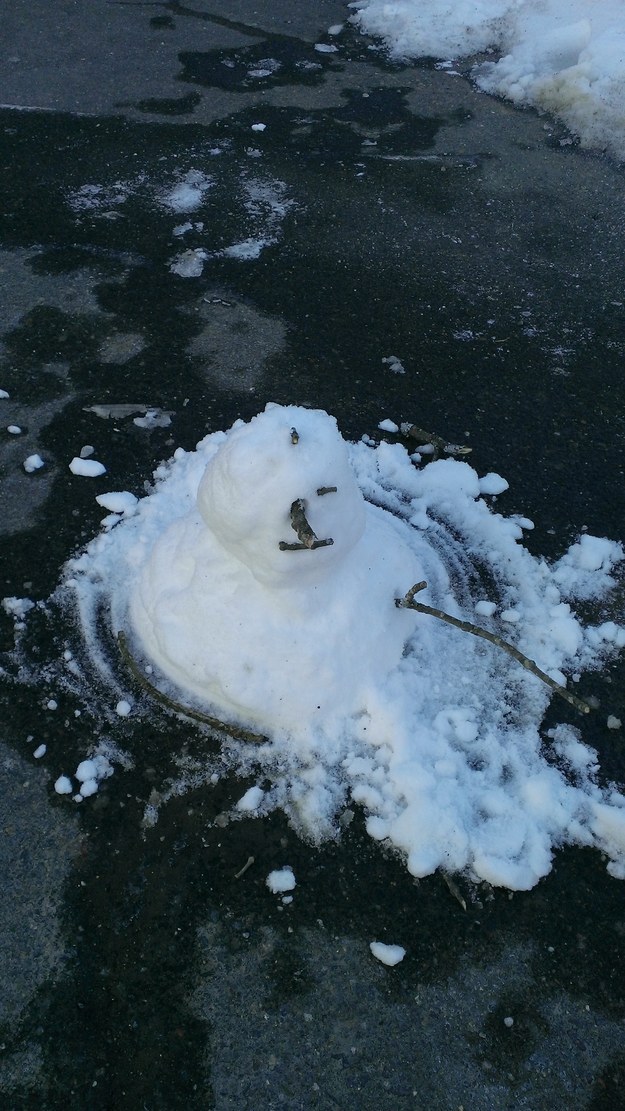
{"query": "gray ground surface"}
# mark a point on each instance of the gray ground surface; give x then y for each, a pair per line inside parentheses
(400, 213)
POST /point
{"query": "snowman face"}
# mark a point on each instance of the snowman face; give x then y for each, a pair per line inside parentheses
(280, 496)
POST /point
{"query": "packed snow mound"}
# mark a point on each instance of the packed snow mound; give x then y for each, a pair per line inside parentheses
(564, 56)
(217, 584)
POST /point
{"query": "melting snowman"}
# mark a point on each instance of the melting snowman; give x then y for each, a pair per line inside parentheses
(272, 600)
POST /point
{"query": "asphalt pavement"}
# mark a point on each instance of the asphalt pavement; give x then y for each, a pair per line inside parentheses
(203, 209)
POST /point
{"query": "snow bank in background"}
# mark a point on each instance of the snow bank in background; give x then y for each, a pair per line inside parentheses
(565, 56)
(434, 733)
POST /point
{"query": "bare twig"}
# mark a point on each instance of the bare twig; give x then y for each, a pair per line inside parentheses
(243, 870)
(408, 602)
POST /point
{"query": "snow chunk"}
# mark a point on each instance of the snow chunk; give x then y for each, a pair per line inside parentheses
(33, 463)
(118, 502)
(387, 425)
(387, 954)
(123, 708)
(3, 395)
(17, 607)
(63, 785)
(251, 800)
(40, 751)
(492, 483)
(88, 468)
(394, 364)
(485, 608)
(87, 769)
(281, 880)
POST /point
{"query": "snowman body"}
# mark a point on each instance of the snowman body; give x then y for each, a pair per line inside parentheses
(273, 601)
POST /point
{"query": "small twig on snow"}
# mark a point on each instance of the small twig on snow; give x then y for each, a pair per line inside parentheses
(408, 602)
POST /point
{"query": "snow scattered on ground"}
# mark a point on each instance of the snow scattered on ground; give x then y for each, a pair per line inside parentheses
(288, 626)
(266, 203)
(189, 193)
(563, 56)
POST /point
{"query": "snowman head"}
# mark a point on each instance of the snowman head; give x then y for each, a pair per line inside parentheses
(280, 496)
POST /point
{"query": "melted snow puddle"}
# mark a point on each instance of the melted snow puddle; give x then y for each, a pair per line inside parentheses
(434, 733)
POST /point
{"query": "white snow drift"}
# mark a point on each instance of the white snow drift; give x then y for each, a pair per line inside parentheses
(565, 56)
(433, 732)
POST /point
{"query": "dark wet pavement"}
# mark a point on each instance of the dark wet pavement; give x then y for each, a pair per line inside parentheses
(393, 211)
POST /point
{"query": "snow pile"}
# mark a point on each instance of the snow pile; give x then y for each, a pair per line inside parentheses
(565, 56)
(260, 579)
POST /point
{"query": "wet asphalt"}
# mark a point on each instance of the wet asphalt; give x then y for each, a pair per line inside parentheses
(401, 214)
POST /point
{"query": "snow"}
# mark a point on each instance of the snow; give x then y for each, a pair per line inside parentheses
(281, 880)
(88, 468)
(189, 193)
(563, 56)
(251, 800)
(14, 429)
(353, 700)
(121, 501)
(17, 607)
(387, 954)
(33, 463)
(63, 785)
(123, 708)
(388, 425)
(492, 483)
(39, 752)
(394, 364)
(485, 608)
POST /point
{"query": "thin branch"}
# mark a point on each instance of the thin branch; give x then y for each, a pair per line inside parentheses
(408, 602)
(235, 731)
(243, 870)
